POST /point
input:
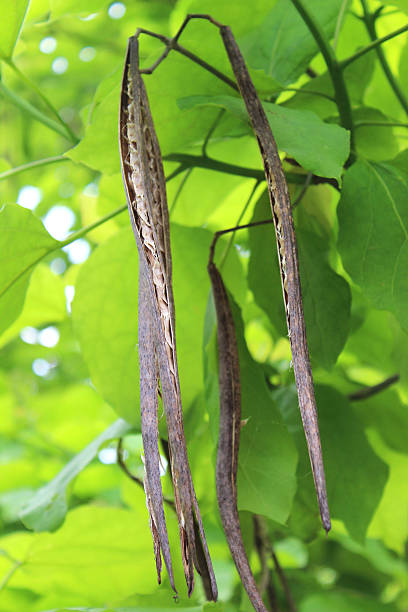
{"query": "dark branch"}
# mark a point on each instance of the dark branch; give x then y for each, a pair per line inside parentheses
(366, 392)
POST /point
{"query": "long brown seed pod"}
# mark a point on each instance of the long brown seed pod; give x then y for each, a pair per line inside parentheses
(289, 267)
(229, 432)
(144, 183)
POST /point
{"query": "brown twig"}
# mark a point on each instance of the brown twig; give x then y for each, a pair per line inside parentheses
(122, 464)
(263, 550)
(366, 392)
(285, 585)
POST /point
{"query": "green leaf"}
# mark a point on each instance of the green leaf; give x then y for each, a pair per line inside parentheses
(357, 76)
(104, 314)
(376, 143)
(388, 415)
(267, 457)
(282, 45)
(99, 554)
(319, 147)
(47, 509)
(389, 523)
(343, 602)
(44, 304)
(99, 147)
(355, 475)
(373, 233)
(326, 300)
(23, 242)
(12, 17)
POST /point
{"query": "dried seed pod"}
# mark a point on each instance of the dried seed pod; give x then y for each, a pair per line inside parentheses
(144, 182)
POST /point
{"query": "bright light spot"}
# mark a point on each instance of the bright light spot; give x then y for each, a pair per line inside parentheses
(29, 335)
(58, 265)
(116, 10)
(48, 45)
(29, 197)
(41, 367)
(58, 221)
(89, 17)
(91, 190)
(108, 456)
(87, 54)
(59, 65)
(66, 190)
(163, 465)
(69, 296)
(78, 251)
(49, 336)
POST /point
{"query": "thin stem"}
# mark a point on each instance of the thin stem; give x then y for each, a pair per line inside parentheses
(200, 161)
(303, 190)
(376, 43)
(34, 164)
(237, 224)
(262, 547)
(334, 67)
(71, 136)
(232, 229)
(10, 574)
(172, 44)
(285, 585)
(366, 392)
(369, 20)
(28, 108)
(179, 189)
(121, 463)
(211, 131)
(339, 22)
(59, 245)
(381, 124)
(320, 94)
(85, 230)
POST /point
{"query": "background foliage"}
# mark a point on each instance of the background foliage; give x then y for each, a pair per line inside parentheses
(74, 528)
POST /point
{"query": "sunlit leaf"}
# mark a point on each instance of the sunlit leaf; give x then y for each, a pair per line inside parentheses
(12, 17)
(47, 509)
(23, 243)
(373, 234)
(319, 147)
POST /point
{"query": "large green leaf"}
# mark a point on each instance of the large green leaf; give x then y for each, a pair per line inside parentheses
(355, 475)
(319, 147)
(373, 234)
(12, 17)
(282, 45)
(46, 510)
(99, 554)
(267, 457)
(45, 303)
(104, 314)
(23, 243)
